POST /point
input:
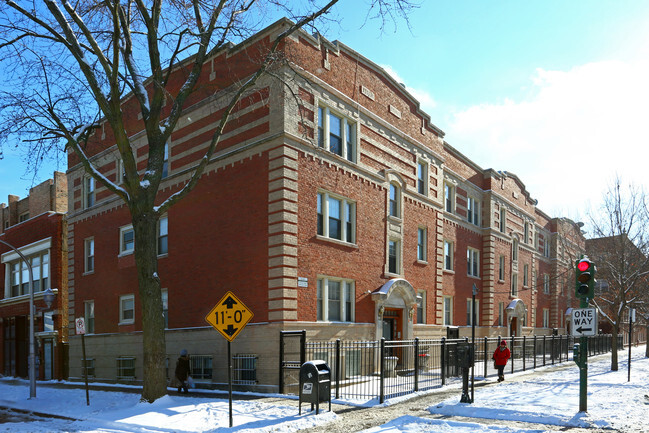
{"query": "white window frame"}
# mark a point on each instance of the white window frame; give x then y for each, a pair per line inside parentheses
(546, 246)
(448, 255)
(514, 287)
(165, 306)
(163, 235)
(515, 250)
(397, 257)
(546, 284)
(501, 313)
(526, 233)
(166, 168)
(501, 268)
(422, 242)
(89, 187)
(394, 200)
(123, 249)
(503, 220)
(546, 318)
(473, 262)
(348, 133)
(347, 307)
(421, 307)
(447, 310)
(469, 302)
(449, 197)
(89, 255)
(526, 270)
(347, 217)
(89, 316)
(125, 299)
(473, 211)
(422, 177)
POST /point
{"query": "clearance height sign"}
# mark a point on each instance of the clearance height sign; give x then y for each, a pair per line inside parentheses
(229, 316)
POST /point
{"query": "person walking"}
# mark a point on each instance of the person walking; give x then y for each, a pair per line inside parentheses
(183, 371)
(500, 357)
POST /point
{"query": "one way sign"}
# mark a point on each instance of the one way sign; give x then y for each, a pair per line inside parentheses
(229, 316)
(584, 322)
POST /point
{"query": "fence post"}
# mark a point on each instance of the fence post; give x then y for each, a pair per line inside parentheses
(382, 372)
(544, 349)
(338, 368)
(535, 352)
(416, 364)
(523, 353)
(552, 348)
(281, 362)
(486, 357)
(442, 361)
(512, 352)
(303, 347)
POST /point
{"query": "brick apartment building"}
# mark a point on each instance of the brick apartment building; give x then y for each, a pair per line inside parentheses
(335, 207)
(36, 226)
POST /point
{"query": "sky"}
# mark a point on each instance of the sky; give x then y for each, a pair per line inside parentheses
(547, 399)
(552, 91)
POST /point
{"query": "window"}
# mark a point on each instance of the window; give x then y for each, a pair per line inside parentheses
(503, 220)
(469, 304)
(473, 211)
(422, 177)
(501, 268)
(126, 240)
(201, 366)
(336, 134)
(88, 191)
(335, 300)
(448, 255)
(119, 171)
(421, 307)
(245, 369)
(394, 256)
(526, 233)
(23, 217)
(395, 198)
(421, 244)
(515, 250)
(163, 235)
(336, 217)
(125, 368)
(165, 162)
(165, 306)
(473, 262)
(19, 274)
(449, 197)
(514, 289)
(126, 309)
(546, 318)
(546, 247)
(546, 284)
(90, 367)
(89, 254)
(89, 316)
(526, 269)
(501, 313)
(447, 313)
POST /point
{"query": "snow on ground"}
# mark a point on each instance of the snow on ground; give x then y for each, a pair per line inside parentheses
(551, 398)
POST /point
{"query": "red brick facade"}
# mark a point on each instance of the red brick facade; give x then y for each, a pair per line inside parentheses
(280, 221)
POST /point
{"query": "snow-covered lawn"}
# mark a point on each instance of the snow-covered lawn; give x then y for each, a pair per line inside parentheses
(551, 398)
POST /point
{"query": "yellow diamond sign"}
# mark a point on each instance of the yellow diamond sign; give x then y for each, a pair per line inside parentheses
(229, 316)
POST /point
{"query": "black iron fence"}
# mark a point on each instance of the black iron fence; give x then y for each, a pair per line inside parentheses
(363, 370)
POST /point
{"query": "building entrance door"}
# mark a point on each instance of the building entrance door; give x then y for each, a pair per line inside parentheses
(513, 326)
(48, 359)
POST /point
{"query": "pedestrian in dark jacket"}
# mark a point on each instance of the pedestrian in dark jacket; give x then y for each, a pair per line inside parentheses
(183, 371)
(500, 357)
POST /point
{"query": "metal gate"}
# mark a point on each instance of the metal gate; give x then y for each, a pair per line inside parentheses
(291, 356)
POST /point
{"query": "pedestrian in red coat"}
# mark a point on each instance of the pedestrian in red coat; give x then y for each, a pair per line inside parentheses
(500, 357)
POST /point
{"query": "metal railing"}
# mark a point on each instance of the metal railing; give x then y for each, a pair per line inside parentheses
(364, 370)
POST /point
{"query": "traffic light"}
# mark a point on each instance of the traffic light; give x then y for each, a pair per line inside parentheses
(585, 278)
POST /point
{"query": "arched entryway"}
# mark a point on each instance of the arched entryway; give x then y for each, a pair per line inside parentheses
(516, 312)
(395, 306)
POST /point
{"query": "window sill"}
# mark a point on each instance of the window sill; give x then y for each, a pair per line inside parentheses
(449, 271)
(336, 241)
(422, 262)
(131, 322)
(126, 253)
(395, 219)
(88, 273)
(390, 275)
(473, 276)
(501, 281)
(162, 256)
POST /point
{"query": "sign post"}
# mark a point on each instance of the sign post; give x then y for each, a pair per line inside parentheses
(229, 316)
(80, 325)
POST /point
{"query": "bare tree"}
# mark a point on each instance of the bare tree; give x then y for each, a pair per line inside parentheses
(619, 250)
(72, 65)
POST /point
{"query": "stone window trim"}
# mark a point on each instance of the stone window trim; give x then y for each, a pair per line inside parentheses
(337, 133)
(126, 309)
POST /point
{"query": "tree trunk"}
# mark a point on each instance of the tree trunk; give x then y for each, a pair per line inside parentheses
(614, 349)
(153, 334)
(646, 347)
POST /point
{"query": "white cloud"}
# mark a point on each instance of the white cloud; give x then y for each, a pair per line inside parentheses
(426, 100)
(579, 129)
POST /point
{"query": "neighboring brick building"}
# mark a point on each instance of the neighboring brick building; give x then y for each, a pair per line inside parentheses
(336, 207)
(36, 226)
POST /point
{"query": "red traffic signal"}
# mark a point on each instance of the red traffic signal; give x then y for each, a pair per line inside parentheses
(583, 265)
(585, 278)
